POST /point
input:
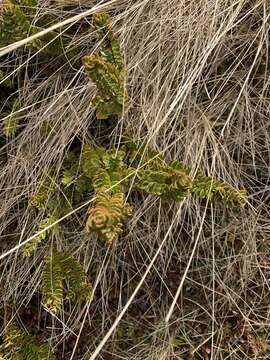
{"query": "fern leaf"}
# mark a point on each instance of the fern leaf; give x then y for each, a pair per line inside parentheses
(68, 178)
(58, 267)
(32, 245)
(109, 45)
(109, 81)
(104, 168)
(107, 216)
(48, 198)
(107, 71)
(19, 345)
(76, 277)
(91, 160)
(206, 187)
(14, 24)
(164, 183)
(142, 155)
(52, 287)
(47, 188)
(172, 181)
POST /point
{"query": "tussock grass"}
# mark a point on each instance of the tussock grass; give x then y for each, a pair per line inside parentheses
(198, 85)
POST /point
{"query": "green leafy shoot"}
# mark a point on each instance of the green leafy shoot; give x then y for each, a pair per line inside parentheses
(19, 345)
(59, 267)
(106, 70)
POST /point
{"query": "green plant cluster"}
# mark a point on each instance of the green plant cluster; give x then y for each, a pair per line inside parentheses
(107, 71)
(104, 169)
(18, 22)
(104, 175)
(19, 345)
(59, 267)
(50, 220)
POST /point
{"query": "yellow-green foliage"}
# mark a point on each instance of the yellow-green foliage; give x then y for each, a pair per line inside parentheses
(107, 71)
(19, 345)
(154, 175)
(32, 245)
(107, 216)
(172, 181)
(105, 169)
(14, 24)
(45, 197)
(205, 187)
(75, 275)
(48, 198)
(17, 22)
(10, 125)
(55, 197)
(105, 175)
(52, 287)
(110, 48)
(57, 268)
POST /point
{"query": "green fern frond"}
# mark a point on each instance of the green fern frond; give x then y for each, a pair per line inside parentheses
(14, 24)
(141, 155)
(9, 104)
(42, 198)
(107, 179)
(206, 187)
(13, 338)
(172, 181)
(48, 197)
(19, 345)
(58, 267)
(39, 200)
(68, 178)
(164, 183)
(113, 160)
(109, 45)
(76, 277)
(104, 168)
(107, 71)
(52, 287)
(107, 216)
(154, 175)
(103, 180)
(70, 169)
(32, 245)
(109, 81)
(91, 160)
